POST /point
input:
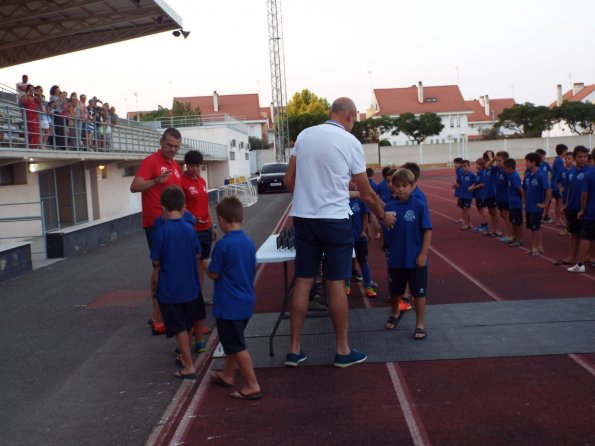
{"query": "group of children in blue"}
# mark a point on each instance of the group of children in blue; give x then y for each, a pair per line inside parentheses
(406, 244)
(175, 253)
(500, 191)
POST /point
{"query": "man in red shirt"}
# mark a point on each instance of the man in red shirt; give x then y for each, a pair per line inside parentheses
(156, 172)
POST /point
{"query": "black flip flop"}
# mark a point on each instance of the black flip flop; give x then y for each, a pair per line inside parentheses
(220, 381)
(238, 395)
(419, 331)
(182, 376)
(392, 320)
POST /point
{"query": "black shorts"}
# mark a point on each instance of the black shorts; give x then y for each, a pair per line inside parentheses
(556, 194)
(417, 278)
(179, 317)
(588, 230)
(574, 224)
(205, 239)
(480, 203)
(516, 216)
(317, 236)
(231, 335)
(149, 236)
(464, 203)
(361, 251)
(490, 202)
(533, 220)
(503, 206)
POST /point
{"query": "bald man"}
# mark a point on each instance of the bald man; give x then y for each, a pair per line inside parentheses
(324, 159)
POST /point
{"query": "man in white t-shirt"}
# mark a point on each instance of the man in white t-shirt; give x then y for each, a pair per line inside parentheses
(324, 159)
(22, 87)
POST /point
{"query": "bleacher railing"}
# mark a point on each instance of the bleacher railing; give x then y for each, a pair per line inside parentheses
(220, 119)
(34, 130)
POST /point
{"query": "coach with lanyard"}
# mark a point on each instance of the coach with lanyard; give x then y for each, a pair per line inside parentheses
(324, 159)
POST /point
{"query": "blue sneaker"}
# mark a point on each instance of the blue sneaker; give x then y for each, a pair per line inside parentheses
(354, 357)
(293, 359)
(200, 347)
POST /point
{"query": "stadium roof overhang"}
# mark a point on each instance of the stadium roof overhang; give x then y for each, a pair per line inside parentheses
(33, 30)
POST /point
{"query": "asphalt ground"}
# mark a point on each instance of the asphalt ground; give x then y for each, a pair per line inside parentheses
(79, 364)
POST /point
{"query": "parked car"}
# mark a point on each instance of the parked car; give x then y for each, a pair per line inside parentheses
(271, 178)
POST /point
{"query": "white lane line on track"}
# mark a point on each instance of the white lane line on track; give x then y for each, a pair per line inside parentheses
(583, 363)
(416, 428)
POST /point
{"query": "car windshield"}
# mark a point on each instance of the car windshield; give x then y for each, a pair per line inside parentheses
(274, 168)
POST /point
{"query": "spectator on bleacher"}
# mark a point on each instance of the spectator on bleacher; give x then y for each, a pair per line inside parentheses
(83, 120)
(22, 87)
(58, 118)
(74, 122)
(91, 123)
(30, 103)
(44, 121)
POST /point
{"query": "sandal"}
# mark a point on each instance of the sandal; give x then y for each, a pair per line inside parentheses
(419, 334)
(216, 378)
(391, 322)
(563, 262)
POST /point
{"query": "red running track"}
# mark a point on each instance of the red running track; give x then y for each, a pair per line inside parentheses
(539, 400)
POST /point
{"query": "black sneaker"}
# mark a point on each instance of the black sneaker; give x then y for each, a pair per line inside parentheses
(547, 219)
(356, 276)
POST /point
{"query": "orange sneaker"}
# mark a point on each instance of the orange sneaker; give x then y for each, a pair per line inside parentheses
(404, 306)
(158, 328)
(371, 292)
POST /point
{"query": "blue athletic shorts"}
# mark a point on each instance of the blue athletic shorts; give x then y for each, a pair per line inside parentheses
(315, 237)
(231, 335)
(533, 220)
(464, 203)
(516, 216)
(417, 278)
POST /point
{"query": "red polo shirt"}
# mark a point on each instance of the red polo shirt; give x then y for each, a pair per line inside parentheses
(197, 200)
(151, 167)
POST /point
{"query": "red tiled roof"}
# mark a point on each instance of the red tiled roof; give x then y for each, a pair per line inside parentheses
(394, 101)
(265, 112)
(570, 97)
(243, 106)
(496, 105)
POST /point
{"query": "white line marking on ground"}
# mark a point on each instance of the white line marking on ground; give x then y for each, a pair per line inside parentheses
(418, 433)
(584, 364)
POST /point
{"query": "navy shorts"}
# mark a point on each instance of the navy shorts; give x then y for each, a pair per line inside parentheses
(205, 238)
(516, 216)
(315, 237)
(149, 235)
(556, 194)
(588, 230)
(574, 224)
(417, 278)
(179, 317)
(464, 203)
(480, 203)
(503, 206)
(490, 202)
(361, 251)
(533, 220)
(231, 335)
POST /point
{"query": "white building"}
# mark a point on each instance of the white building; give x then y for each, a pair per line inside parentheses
(579, 93)
(485, 115)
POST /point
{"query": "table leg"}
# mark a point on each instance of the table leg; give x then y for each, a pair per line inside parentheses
(288, 287)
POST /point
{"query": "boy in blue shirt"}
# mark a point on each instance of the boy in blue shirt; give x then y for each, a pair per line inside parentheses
(407, 244)
(557, 168)
(417, 192)
(537, 193)
(490, 201)
(382, 188)
(497, 166)
(458, 165)
(515, 202)
(481, 190)
(464, 182)
(547, 170)
(175, 251)
(233, 267)
(370, 174)
(587, 216)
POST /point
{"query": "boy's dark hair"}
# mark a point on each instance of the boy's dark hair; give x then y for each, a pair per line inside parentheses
(503, 154)
(481, 161)
(172, 198)
(579, 149)
(193, 157)
(413, 167)
(541, 152)
(385, 171)
(465, 163)
(370, 172)
(510, 163)
(458, 160)
(534, 158)
(230, 209)
(403, 176)
(561, 148)
(175, 133)
(485, 156)
(391, 173)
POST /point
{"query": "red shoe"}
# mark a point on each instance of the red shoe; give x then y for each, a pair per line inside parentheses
(158, 328)
(404, 306)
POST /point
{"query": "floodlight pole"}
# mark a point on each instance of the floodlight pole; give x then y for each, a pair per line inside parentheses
(278, 87)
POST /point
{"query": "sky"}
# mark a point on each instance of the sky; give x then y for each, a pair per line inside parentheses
(511, 48)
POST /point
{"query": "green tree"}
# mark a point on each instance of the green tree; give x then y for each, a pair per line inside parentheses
(579, 116)
(179, 109)
(526, 119)
(255, 143)
(384, 143)
(307, 102)
(302, 121)
(417, 129)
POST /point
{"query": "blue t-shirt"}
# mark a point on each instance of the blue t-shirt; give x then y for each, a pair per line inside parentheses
(360, 210)
(545, 167)
(576, 186)
(419, 194)
(557, 169)
(382, 189)
(563, 182)
(458, 172)
(466, 180)
(405, 240)
(535, 187)
(515, 200)
(491, 181)
(373, 185)
(234, 259)
(176, 246)
(482, 178)
(501, 186)
(590, 189)
(186, 216)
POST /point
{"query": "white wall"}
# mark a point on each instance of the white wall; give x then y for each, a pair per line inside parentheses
(114, 193)
(459, 124)
(23, 193)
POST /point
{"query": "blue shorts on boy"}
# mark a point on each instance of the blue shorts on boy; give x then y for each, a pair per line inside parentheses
(234, 259)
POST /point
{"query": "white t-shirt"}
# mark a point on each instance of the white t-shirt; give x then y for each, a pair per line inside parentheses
(326, 158)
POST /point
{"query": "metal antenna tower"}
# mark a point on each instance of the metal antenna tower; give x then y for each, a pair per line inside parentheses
(278, 88)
